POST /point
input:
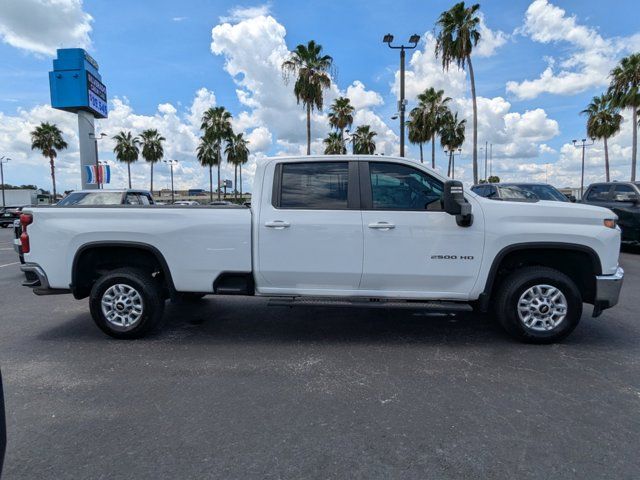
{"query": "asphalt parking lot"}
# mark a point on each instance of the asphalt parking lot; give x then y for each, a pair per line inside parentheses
(234, 389)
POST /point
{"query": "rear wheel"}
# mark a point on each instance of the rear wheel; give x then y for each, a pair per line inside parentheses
(127, 303)
(539, 305)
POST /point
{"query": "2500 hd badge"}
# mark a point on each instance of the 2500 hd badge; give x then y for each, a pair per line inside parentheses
(451, 257)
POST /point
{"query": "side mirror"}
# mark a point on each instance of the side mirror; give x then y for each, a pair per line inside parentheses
(455, 203)
(572, 198)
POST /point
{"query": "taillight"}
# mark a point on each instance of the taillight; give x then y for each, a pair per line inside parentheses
(25, 220)
(24, 242)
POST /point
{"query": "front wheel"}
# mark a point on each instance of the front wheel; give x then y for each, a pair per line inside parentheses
(538, 305)
(126, 303)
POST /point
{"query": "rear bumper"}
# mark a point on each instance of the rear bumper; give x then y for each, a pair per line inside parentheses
(607, 291)
(37, 279)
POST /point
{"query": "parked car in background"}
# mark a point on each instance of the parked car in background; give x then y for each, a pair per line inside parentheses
(188, 203)
(498, 191)
(221, 202)
(107, 197)
(623, 198)
(9, 214)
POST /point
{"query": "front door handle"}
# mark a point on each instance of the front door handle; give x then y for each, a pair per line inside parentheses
(382, 225)
(277, 224)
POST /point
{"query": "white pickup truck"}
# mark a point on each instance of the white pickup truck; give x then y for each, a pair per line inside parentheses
(361, 230)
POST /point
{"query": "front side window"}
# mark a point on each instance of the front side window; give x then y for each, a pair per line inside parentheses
(314, 185)
(400, 187)
(91, 198)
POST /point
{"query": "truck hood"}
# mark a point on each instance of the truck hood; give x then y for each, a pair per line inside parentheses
(546, 211)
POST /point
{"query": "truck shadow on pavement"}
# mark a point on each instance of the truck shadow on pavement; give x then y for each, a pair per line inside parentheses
(246, 321)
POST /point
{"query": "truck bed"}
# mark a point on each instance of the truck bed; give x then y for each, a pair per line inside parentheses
(197, 243)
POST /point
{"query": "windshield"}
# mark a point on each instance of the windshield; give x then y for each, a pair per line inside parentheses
(508, 193)
(544, 192)
(91, 198)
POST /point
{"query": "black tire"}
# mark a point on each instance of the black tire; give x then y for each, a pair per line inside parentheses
(522, 280)
(149, 303)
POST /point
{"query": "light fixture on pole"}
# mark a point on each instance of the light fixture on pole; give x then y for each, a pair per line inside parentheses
(3, 160)
(402, 103)
(171, 163)
(583, 145)
(95, 141)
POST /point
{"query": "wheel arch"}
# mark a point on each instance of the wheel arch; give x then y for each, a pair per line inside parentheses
(567, 258)
(129, 254)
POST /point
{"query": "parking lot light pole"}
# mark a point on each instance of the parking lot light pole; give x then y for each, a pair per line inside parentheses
(583, 144)
(171, 163)
(402, 104)
(3, 160)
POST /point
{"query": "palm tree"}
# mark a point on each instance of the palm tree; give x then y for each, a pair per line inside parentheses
(237, 154)
(431, 109)
(310, 68)
(216, 123)
(458, 35)
(603, 122)
(416, 132)
(208, 156)
(152, 149)
(126, 150)
(452, 137)
(48, 139)
(334, 145)
(363, 142)
(625, 93)
(341, 114)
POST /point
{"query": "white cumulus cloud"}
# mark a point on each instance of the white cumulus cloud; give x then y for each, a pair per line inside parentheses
(41, 26)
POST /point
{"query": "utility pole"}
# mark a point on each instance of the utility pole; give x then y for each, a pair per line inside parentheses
(171, 163)
(583, 144)
(402, 103)
(485, 160)
(3, 160)
(491, 159)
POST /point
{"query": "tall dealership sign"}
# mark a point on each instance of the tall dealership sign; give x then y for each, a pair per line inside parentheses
(76, 86)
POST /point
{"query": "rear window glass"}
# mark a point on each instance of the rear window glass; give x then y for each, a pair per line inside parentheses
(314, 185)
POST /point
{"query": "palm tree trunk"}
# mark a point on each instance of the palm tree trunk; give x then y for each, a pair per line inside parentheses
(421, 157)
(475, 121)
(218, 178)
(606, 159)
(129, 173)
(449, 166)
(634, 141)
(433, 151)
(240, 182)
(308, 129)
(152, 178)
(210, 183)
(53, 176)
(235, 181)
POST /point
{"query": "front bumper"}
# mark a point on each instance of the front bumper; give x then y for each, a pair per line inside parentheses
(37, 279)
(607, 291)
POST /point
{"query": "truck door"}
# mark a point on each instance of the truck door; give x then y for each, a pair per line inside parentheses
(310, 230)
(412, 248)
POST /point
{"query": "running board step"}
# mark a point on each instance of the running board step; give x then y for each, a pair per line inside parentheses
(367, 302)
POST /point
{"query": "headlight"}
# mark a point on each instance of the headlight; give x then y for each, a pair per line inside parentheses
(610, 223)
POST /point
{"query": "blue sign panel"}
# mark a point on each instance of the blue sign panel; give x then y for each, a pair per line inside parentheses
(76, 84)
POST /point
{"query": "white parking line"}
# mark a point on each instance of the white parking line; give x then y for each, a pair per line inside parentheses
(9, 264)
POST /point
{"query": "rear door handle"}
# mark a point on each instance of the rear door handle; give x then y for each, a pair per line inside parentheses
(278, 224)
(382, 225)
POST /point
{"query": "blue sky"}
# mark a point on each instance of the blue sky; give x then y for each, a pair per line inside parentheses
(159, 53)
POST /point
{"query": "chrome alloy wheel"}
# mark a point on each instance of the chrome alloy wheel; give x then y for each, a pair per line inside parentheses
(542, 308)
(122, 306)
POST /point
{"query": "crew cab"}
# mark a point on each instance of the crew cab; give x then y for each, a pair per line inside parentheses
(357, 230)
